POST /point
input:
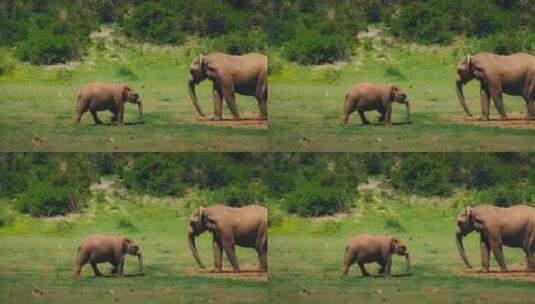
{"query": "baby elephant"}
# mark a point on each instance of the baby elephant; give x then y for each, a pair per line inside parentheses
(96, 97)
(364, 97)
(111, 249)
(365, 248)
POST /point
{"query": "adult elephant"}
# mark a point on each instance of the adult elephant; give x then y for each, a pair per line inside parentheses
(245, 227)
(512, 227)
(513, 75)
(246, 75)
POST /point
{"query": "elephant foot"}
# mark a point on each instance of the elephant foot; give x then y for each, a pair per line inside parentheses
(365, 275)
(215, 118)
(504, 270)
(216, 270)
(483, 270)
(262, 269)
(98, 275)
(98, 123)
(261, 118)
(236, 118)
(365, 123)
(483, 118)
(236, 270)
(504, 118)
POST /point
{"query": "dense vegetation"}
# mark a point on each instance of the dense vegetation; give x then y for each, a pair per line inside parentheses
(304, 184)
(307, 32)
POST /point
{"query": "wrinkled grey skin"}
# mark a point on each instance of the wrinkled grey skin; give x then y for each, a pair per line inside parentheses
(364, 97)
(365, 248)
(245, 227)
(246, 75)
(95, 97)
(513, 75)
(512, 227)
(111, 249)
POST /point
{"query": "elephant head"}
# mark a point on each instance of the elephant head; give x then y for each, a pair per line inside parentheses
(197, 73)
(198, 224)
(400, 97)
(129, 247)
(397, 247)
(131, 96)
(464, 75)
(464, 227)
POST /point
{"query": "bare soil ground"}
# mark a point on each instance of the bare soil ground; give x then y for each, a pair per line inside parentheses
(516, 120)
(248, 120)
(249, 272)
(516, 272)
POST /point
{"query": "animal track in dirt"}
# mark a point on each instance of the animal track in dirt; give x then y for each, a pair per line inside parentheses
(516, 120)
(248, 121)
(516, 272)
(248, 272)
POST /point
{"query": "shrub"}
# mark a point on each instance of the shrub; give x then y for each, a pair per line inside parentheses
(63, 74)
(6, 65)
(312, 199)
(393, 224)
(42, 47)
(423, 174)
(421, 22)
(240, 194)
(394, 73)
(126, 73)
(156, 175)
(155, 23)
(125, 224)
(241, 43)
(508, 43)
(313, 48)
(43, 199)
(331, 74)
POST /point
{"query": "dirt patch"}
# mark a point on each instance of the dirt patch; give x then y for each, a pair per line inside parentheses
(248, 273)
(516, 120)
(516, 272)
(248, 121)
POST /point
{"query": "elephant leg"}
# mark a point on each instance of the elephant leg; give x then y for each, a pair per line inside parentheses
(388, 114)
(261, 97)
(530, 107)
(228, 246)
(382, 114)
(95, 117)
(78, 117)
(120, 115)
(497, 249)
(230, 98)
(530, 262)
(388, 266)
(217, 98)
(95, 269)
(485, 255)
(497, 97)
(114, 267)
(218, 255)
(363, 270)
(120, 265)
(485, 103)
(363, 118)
(114, 116)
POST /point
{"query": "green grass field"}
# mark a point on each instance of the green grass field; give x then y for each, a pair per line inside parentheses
(307, 102)
(305, 106)
(38, 258)
(309, 256)
(38, 107)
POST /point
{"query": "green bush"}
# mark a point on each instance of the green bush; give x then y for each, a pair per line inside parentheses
(331, 74)
(42, 47)
(43, 199)
(155, 23)
(156, 175)
(312, 199)
(125, 224)
(508, 43)
(241, 43)
(422, 22)
(6, 65)
(126, 73)
(393, 224)
(394, 73)
(313, 48)
(423, 174)
(240, 194)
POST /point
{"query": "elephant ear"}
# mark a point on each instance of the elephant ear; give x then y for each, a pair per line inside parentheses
(126, 242)
(125, 92)
(394, 242)
(393, 92)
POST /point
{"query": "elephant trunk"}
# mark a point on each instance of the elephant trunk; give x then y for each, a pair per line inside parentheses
(140, 108)
(193, 97)
(140, 262)
(408, 261)
(408, 110)
(191, 237)
(460, 247)
(460, 95)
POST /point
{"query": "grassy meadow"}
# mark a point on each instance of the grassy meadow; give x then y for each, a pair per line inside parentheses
(38, 257)
(309, 256)
(307, 102)
(38, 106)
